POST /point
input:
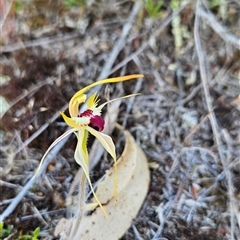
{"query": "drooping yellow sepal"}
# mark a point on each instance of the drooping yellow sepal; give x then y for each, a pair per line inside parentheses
(109, 146)
(81, 157)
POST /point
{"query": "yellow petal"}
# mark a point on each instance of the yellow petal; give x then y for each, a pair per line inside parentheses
(74, 104)
(109, 146)
(105, 140)
(76, 122)
(92, 101)
(79, 96)
(81, 157)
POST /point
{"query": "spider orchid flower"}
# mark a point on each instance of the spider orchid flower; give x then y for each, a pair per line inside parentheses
(90, 121)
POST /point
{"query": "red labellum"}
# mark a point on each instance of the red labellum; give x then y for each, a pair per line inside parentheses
(87, 113)
(96, 121)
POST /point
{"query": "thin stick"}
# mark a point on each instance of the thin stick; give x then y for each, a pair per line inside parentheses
(212, 117)
(39, 42)
(22, 96)
(187, 138)
(40, 130)
(164, 24)
(122, 40)
(32, 181)
(6, 12)
(219, 29)
(136, 90)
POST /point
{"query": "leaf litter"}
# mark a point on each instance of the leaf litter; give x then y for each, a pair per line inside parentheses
(188, 192)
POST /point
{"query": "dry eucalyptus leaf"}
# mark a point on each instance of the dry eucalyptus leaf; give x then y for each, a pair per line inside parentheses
(63, 227)
(134, 177)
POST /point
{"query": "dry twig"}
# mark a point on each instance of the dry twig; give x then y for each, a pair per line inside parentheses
(215, 128)
(24, 95)
(39, 42)
(163, 25)
(219, 29)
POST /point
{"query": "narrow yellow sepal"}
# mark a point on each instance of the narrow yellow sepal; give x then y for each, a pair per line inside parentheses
(115, 99)
(80, 97)
(51, 146)
(81, 157)
(109, 146)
